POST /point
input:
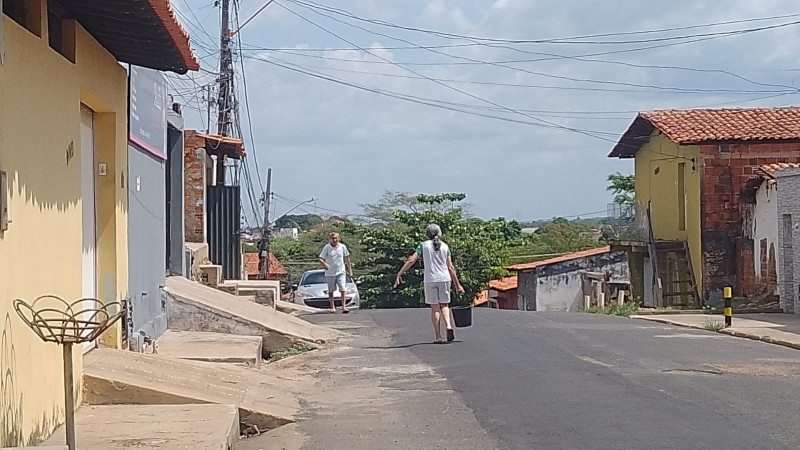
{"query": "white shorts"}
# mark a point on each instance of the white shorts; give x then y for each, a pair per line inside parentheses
(337, 281)
(438, 292)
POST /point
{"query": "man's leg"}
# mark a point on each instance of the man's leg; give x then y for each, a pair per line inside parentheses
(331, 289)
(344, 302)
(435, 318)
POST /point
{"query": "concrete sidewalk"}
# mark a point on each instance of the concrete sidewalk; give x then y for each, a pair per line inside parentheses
(780, 329)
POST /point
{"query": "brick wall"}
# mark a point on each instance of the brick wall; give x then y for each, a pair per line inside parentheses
(195, 166)
(727, 255)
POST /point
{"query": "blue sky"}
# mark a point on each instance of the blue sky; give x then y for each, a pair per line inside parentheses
(344, 146)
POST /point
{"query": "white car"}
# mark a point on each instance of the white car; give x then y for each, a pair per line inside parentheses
(313, 291)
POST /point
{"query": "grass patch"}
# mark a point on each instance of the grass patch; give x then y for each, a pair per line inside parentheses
(615, 310)
(713, 325)
(289, 351)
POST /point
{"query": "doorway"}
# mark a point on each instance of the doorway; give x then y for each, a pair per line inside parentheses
(89, 215)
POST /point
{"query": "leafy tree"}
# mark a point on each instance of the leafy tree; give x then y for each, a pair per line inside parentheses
(478, 248)
(303, 222)
(382, 212)
(623, 187)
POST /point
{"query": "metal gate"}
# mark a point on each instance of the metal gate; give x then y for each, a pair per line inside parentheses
(224, 207)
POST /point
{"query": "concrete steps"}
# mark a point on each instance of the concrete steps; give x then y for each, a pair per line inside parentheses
(116, 377)
(194, 307)
(211, 347)
(122, 427)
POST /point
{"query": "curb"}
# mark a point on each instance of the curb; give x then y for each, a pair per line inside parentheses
(710, 312)
(756, 337)
(729, 332)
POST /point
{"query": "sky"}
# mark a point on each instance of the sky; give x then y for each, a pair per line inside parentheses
(323, 80)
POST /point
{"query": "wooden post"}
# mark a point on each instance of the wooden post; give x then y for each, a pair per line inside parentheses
(601, 300)
(621, 298)
(587, 302)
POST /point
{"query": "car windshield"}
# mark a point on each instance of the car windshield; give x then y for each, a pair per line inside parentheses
(318, 278)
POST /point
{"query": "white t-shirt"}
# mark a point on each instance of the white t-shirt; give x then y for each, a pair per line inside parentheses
(334, 256)
(436, 270)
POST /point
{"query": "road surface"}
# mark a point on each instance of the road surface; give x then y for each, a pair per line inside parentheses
(520, 380)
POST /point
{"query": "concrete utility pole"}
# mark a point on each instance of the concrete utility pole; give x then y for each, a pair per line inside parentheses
(263, 244)
(225, 85)
(225, 80)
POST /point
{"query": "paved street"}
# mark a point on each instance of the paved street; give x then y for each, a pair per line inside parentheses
(553, 380)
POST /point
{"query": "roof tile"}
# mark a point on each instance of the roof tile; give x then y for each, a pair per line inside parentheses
(558, 259)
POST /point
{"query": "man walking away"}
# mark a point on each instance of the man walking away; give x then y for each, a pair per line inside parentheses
(439, 274)
(333, 257)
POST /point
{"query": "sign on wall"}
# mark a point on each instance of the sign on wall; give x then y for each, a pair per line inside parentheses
(148, 110)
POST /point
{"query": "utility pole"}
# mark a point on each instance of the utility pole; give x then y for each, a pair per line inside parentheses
(208, 108)
(225, 82)
(263, 247)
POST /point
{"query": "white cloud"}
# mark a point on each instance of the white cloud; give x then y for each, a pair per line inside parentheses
(312, 130)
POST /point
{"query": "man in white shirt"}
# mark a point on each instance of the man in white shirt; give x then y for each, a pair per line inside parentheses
(333, 257)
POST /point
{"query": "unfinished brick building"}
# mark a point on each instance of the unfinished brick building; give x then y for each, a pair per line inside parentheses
(698, 174)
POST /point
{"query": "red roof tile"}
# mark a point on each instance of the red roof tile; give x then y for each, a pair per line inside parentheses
(276, 269)
(176, 31)
(768, 170)
(558, 259)
(481, 299)
(506, 284)
(693, 126)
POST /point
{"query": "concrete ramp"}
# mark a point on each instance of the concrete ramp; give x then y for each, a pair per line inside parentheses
(113, 377)
(194, 307)
(211, 347)
(213, 427)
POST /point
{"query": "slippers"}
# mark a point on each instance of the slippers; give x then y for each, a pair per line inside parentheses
(346, 311)
(451, 335)
(439, 341)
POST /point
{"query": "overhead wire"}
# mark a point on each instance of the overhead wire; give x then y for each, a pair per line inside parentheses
(503, 64)
(476, 97)
(573, 39)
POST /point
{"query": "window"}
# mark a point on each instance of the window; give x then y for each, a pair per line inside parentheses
(59, 33)
(15, 9)
(24, 12)
(682, 196)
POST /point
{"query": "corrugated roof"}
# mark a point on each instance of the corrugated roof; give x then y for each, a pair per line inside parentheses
(695, 126)
(558, 259)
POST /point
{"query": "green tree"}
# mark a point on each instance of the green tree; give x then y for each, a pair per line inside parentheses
(623, 187)
(479, 251)
(303, 222)
(382, 212)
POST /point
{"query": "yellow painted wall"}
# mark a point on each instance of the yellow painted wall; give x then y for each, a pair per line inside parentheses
(656, 172)
(40, 97)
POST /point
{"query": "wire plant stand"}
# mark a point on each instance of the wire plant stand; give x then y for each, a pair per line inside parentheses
(56, 320)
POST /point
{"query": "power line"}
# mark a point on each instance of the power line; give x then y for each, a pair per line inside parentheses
(640, 88)
(575, 130)
(505, 64)
(247, 102)
(565, 40)
(412, 100)
(239, 27)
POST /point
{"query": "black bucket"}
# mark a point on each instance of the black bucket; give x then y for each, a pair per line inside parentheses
(462, 316)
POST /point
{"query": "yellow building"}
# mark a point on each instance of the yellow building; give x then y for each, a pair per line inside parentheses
(696, 212)
(63, 156)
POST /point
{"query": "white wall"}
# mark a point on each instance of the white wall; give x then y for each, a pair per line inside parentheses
(559, 287)
(765, 226)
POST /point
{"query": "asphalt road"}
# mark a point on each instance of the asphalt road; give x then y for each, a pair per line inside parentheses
(569, 380)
